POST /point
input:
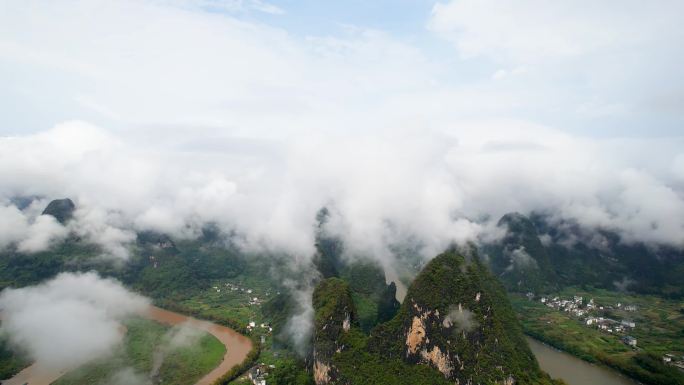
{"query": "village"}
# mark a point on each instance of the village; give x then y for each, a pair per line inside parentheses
(590, 314)
(258, 374)
(594, 315)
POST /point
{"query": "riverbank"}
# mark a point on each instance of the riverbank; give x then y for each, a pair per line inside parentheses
(573, 370)
(237, 345)
(655, 333)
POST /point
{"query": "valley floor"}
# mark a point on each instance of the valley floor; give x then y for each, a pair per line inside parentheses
(658, 330)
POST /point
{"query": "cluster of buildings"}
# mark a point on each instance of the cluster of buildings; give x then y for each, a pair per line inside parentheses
(259, 373)
(609, 325)
(584, 310)
(236, 288)
(572, 306)
(671, 359)
(629, 341)
(251, 325)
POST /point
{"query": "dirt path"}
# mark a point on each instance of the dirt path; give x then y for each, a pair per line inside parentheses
(237, 348)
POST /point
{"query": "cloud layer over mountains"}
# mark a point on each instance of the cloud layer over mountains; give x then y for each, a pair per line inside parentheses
(383, 188)
(187, 115)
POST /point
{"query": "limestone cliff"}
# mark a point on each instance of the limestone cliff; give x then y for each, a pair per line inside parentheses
(456, 318)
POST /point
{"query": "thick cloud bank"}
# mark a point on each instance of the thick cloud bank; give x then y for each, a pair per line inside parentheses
(30, 233)
(384, 189)
(68, 320)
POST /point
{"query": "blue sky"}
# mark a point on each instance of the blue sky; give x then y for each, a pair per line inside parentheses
(405, 18)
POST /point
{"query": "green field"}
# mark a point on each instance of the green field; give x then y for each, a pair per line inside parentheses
(659, 330)
(134, 360)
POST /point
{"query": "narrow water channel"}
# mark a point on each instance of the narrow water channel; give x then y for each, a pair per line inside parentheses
(573, 370)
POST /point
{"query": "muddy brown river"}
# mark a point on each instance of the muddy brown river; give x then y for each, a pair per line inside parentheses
(237, 348)
(573, 370)
(237, 345)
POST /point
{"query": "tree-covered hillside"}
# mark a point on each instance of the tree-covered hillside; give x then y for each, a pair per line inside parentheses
(455, 325)
(539, 254)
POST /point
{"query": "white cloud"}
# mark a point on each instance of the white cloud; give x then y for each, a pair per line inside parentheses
(203, 117)
(29, 233)
(609, 65)
(13, 226)
(533, 30)
(383, 188)
(520, 259)
(41, 234)
(69, 320)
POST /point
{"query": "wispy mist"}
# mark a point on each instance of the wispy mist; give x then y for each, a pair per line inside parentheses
(69, 320)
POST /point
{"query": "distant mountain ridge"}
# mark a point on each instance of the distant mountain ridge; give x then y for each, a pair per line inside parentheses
(538, 254)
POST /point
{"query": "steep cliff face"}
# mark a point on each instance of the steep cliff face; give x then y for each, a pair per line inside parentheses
(334, 317)
(456, 318)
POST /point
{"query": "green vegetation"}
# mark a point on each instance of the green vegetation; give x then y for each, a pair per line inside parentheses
(359, 365)
(572, 256)
(18, 269)
(345, 352)
(482, 334)
(615, 264)
(199, 278)
(136, 357)
(163, 269)
(290, 372)
(659, 330)
(237, 370)
(520, 260)
(366, 281)
(11, 362)
(489, 350)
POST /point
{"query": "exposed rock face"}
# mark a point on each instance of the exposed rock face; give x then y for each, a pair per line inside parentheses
(457, 319)
(416, 335)
(334, 317)
(61, 209)
(321, 372)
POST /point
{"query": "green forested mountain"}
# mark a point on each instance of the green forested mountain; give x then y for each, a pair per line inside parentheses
(519, 259)
(571, 255)
(455, 325)
(374, 298)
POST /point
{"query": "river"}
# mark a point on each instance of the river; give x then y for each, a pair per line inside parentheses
(237, 348)
(237, 345)
(558, 364)
(573, 370)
